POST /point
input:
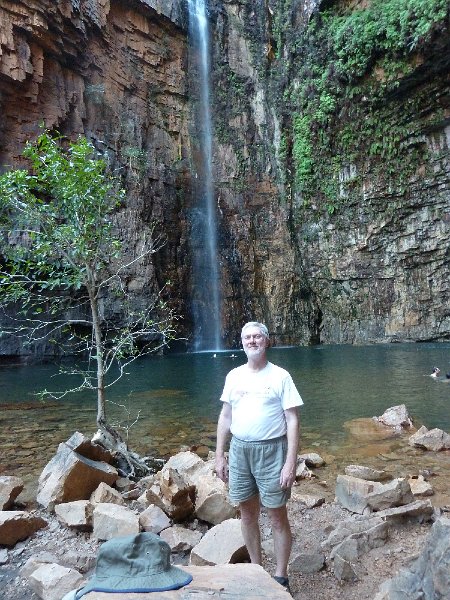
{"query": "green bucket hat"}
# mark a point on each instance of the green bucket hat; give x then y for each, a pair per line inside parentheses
(134, 563)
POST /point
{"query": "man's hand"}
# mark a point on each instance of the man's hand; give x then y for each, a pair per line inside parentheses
(287, 475)
(222, 468)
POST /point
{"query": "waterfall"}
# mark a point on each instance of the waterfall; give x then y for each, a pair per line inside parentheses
(205, 279)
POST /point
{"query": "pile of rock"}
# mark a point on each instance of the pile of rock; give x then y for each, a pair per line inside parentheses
(187, 505)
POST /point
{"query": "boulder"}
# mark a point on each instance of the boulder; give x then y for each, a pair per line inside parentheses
(154, 519)
(422, 510)
(302, 471)
(181, 539)
(52, 581)
(311, 459)
(16, 525)
(36, 561)
(420, 487)
(112, 520)
(370, 532)
(366, 473)
(360, 495)
(177, 495)
(88, 448)
(105, 493)
(221, 545)
(307, 562)
(76, 514)
(236, 582)
(70, 476)
(430, 439)
(209, 492)
(307, 500)
(427, 577)
(10, 488)
(397, 417)
(211, 499)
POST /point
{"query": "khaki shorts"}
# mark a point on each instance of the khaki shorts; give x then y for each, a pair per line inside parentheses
(255, 468)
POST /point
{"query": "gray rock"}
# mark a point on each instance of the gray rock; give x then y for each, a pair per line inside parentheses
(10, 488)
(311, 459)
(359, 495)
(305, 563)
(428, 577)
(430, 439)
(181, 539)
(366, 473)
(396, 416)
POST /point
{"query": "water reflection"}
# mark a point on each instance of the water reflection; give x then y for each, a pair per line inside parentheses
(175, 402)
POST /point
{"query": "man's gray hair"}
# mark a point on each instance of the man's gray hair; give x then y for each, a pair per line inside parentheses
(263, 329)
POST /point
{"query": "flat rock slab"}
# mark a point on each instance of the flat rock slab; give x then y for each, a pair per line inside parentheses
(239, 581)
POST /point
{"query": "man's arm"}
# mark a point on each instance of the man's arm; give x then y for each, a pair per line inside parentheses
(287, 476)
(223, 429)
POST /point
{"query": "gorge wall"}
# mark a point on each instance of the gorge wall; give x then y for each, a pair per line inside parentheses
(331, 157)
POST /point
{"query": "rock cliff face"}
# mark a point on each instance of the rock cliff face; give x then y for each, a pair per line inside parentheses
(362, 259)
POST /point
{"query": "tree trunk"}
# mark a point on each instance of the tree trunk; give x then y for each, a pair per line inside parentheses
(129, 463)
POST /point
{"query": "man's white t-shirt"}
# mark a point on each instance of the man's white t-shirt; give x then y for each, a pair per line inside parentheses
(258, 401)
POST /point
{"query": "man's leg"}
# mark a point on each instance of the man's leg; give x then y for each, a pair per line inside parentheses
(250, 510)
(282, 538)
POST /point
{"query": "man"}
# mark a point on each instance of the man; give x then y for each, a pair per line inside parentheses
(260, 404)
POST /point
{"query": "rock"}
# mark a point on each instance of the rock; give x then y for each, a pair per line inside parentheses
(105, 493)
(154, 519)
(210, 493)
(236, 582)
(420, 487)
(421, 509)
(112, 520)
(308, 500)
(221, 545)
(370, 532)
(76, 514)
(311, 459)
(394, 493)
(36, 561)
(211, 500)
(302, 471)
(430, 439)
(428, 576)
(124, 484)
(359, 495)
(176, 493)
(367, 473)
(396, 416)
(16, 525)
(87, 448)
(344, 570)
(70, 476)
(181, 539)
(52, 581)
(10, 488)
(305, 563)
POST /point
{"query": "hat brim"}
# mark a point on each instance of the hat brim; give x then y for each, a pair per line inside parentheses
(171, 579)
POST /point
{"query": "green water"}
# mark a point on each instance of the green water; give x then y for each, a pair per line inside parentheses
(175, 399)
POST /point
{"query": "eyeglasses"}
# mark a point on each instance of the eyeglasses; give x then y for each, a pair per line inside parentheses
(257, 336)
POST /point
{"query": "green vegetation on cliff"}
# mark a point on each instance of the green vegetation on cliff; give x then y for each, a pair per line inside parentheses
(348, 73)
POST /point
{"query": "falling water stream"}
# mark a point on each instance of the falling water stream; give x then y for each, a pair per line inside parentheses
(205, 294)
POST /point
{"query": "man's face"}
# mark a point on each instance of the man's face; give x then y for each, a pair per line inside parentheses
(254, 342)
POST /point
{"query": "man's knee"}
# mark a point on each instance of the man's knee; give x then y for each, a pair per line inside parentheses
(279, 517)
(250, 510)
